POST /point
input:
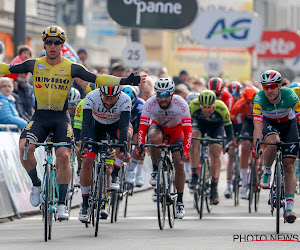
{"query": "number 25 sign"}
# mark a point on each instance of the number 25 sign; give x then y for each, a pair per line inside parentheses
(134, 54)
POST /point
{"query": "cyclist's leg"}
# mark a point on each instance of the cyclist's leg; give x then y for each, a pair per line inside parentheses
(215, 151)
(289, 155)
(130, 175)
(198, 131)
(35, 132)
(270, 135)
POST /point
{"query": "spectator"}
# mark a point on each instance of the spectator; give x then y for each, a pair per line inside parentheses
(147, 90)
(183, 78)
(118, 69)
(163, 73)
(19, 106)
(8, 111)
(82, 54)
(197, 83)
(182, 90)
(103, 71)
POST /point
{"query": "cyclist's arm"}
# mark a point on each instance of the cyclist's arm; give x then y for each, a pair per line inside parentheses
(87, 122)
(81, 72)
(229, 132)
(186, 123)
(24, 67)
(123, 125)
(258, 120)
(258, 127)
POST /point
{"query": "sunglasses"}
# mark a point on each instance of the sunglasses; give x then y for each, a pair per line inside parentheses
(72, 104)
(218, 94)
(271, 86)
(106, 98)
(51, 41)
(163, 94)
(207, 108)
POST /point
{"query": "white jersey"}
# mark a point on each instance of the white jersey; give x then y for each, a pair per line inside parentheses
(177, 113)
(103, 115)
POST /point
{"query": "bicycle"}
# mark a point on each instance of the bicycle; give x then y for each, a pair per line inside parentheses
(254, 187)
(98, 198)
(74, 185)
(202, 190)
(49, 188)
(165, 185)
(277, 191)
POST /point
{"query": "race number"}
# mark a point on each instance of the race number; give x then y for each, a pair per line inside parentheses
(134, 54)
(213, 66)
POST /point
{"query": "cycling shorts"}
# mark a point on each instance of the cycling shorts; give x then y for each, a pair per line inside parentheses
(247, 128)
(174, 134)
(287, 132)
(45, 121)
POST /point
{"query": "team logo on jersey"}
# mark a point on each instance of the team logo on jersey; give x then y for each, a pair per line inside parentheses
(29, 125)
(41, 66)
(297, 106)
(257, 109)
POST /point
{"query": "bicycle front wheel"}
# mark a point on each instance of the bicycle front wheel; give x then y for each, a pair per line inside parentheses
(202, 187)
(161, 196)
(70, 192)
(46, 203)
(251, 184)
(278, 189)
(257, 188)
(171, 199)
(99, 199)
(236, 182)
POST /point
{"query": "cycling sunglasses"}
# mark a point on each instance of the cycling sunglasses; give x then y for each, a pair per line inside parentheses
(163, 94)
(55, 41)
(106, 98)
(218, 94)
(271, 86)
(207, 108)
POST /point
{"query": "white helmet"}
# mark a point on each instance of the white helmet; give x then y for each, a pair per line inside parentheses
(74, 96)
(111, 90)
(164, 85)
(191, 96)
(270, 76)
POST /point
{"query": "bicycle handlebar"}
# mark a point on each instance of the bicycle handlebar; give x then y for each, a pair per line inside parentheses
(161, 146)
(278, 144)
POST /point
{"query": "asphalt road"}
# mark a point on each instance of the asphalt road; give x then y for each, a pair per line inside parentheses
(226, 227)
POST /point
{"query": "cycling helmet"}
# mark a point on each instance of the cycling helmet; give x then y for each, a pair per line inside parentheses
(191, 96)
(164, 85)
(133, 92)
(207, 98)
(54, 31)
(90, 87)
(296, 90)
(271, 76)
(111, 90)
(74, 96)
(295, 84)
(216, 84)
(249, 93)
(235, 88)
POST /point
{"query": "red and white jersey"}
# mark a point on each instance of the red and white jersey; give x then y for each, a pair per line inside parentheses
(103, 115)
(228, 99)
(177, 113)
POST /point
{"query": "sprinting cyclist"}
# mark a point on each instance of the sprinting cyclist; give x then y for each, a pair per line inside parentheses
(243, 110)
(211, 117)
(52, 77)
(275, 114)
(171, 118)
(109, 108)
(136, 111)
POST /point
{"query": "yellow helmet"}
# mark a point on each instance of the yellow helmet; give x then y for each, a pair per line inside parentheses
(54, 31)
(296, 90)
(90, 87)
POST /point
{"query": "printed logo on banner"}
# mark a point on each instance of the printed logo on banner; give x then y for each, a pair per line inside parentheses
(227, 28)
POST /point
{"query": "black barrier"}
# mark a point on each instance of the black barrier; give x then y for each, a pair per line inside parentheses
(6, 208)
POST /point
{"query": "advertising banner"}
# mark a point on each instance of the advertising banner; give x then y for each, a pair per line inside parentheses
(6, 209)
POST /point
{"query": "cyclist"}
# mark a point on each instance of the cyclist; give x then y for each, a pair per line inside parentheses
(109, 108)
(74, 98)
(170, 118)
(243, 110)
(211, 117)
(275, 111)
(52, 76)
(235, 89)
(136, 111)
(187, 165)
(295, 84)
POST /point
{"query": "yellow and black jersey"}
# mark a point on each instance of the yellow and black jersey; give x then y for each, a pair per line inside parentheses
(52, 83)
(220, 115)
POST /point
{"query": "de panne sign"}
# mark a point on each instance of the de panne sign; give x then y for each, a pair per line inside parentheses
(227, 28)
(153, 14)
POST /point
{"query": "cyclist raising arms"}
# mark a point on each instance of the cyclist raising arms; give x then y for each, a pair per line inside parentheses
(209, 116)
(109, 108)
(171, 118)
(52, 75)
(243, 110)
(274, 113)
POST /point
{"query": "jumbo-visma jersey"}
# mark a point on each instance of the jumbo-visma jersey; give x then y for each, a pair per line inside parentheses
(51, 84)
